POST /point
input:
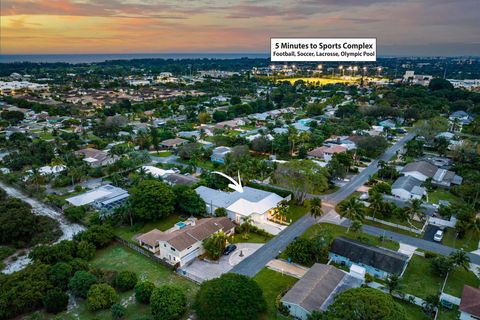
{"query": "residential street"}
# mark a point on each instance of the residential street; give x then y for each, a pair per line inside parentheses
(254, 263)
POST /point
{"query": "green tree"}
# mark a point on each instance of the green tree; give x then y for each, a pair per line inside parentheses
(151, 200)
(301, 177)
(60, 274)
(118, 311)
(392, 283)
(215, 245)
(352, 209)
(81, 282)
(220, 212)
(302, 251)
(101, 296)
(364, 303)
(143, 291)
(230, 297)
(441, 265)
(356, 226)
(316, 207)
(168, 303)
(55, 300)
(459, 258)
(188, 201)
(126, 280)
(85, 250)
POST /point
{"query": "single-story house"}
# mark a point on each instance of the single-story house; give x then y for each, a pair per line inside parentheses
(176, 178)
(326, 152)
(255, 203)
(104, 198)
(387, 124)
(232, 124)
(157, 172)
(378, 262)
(184, 244)
(408, 188)
(317, 289)
(173, 143)
(461, 116)
(422, 170)
(470, 303)
(219, 153)
(96, 158)
(190, 134)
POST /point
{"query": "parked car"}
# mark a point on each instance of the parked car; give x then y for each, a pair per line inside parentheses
(229, 249)
(438, 236)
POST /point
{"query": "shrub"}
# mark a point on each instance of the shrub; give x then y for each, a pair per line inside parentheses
(143, 291)
(101, 296)
(232, 297)
(118, 311)
(99, 235)
(430, 255)
(81, 282)
(55, 300)
(126, 280)
(85, 250)
(168, 303)
(75, 214)
(59, 275)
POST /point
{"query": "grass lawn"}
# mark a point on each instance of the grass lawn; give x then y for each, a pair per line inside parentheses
(119, 258)
(127, 233)
(439, 194)
(394, 229)
(162, 154)
(206, 164)
(457, 279)
(252, 238)
(273, 283)
(412, 311)
(419, 279)
(446, 314)
(338, 231)
(296, 211)
(468, 243)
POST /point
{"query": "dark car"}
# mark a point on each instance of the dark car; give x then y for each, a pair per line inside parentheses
(229, 249)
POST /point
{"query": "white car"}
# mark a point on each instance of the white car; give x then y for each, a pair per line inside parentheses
(438, 236)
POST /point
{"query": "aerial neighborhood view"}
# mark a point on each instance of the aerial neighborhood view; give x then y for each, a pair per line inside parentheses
(157, 163)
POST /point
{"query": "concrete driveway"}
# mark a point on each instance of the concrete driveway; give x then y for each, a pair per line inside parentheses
(430, 232)
(202, 270)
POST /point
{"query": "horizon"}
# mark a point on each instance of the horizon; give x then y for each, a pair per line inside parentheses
(408, 28)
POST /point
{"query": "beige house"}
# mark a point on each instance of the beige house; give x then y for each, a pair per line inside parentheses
(183, 243)
(96, 158)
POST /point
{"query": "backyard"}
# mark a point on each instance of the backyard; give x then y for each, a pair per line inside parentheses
(273, 283)
(119, 258)
(439, 194)
(127, 233)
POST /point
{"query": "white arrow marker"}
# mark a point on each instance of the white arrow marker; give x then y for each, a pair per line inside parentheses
(237, 186)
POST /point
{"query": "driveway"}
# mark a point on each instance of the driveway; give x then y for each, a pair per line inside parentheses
(430, 232)
(201, 270)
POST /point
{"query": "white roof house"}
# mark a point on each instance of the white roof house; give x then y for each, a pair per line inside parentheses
(104, 197)
(157, 172)
(251, 202)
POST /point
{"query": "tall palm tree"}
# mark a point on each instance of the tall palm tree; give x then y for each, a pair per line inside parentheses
(459, 258)
(376, 203)
(352, 209)
(247, 223)
(414, 208)
(36, 178)
(316, 207)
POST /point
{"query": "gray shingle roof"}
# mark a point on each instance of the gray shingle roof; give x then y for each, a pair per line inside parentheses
(379, 258)
(407, 183)
(424, 167)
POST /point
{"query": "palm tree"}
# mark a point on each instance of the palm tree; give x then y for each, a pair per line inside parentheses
(393, 283)
(247, 222)
(36, 178)
(414, 210)
(74, 173)
(352, 209)
(316, 207)
(376, 203)
(382, 164)
(459, 258)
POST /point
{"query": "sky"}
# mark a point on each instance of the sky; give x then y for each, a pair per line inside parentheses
(402, 27)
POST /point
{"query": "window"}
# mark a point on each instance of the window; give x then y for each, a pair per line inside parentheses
(173, 249)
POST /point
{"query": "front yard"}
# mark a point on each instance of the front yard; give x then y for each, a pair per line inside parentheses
(273, 283)
(457, 279)
(419, 279)
(469, 242)
(338, 231)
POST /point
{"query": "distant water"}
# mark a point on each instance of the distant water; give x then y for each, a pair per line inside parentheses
(90, 58)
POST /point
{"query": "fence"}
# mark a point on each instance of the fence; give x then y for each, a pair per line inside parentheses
(190, 276)
(399, 226)
(144, 252)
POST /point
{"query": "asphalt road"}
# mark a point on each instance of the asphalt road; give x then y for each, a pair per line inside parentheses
(254, 263)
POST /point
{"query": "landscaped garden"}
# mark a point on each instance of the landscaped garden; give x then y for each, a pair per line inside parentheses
(273, 284)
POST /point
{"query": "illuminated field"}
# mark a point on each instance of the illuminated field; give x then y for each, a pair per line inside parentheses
(329, 80)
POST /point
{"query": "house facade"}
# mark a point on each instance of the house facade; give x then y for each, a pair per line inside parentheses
(376, 261)
(423, 170)
(184, 243)
(408, 188)
(96, 158)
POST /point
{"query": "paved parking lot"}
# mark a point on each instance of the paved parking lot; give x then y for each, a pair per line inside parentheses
(202, 270)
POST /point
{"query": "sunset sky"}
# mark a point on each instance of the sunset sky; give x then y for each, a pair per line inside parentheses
(427, 27)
